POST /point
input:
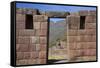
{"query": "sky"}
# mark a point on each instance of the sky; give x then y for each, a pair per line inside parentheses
(46, 7)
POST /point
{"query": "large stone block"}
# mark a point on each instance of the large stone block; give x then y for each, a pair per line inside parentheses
(32, 47)
(92, 12)
(73, 22)
(89, 52)
(21, 62)
(43, 40)
(90, 25)
(22, 47)
(87, 32)
(31, 61)
(43, 47)
(40, 18)
(72, 32)
(34, 39)
(41, 61)
(19, 55)
(72, 39)
(56, 14)
(44, 25)
(89, 58)
(34, 55)
(83, 13)
(42, 54)
(77, 46)
(74, 54)
(37, 25)
(20, 26)
(86, 45)
(38, 47)
(20, 18)
(26, 55)
(22, 39)
(25, 32)
(43, 32)
(90, 19)
(87, 38)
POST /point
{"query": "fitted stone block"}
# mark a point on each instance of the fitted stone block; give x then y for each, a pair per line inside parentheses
(22, 47)
(92, 12)
(33, 55)
(87, 32)
(72, 32)
(22, 62)
(90, 19)
(89, 58)
(73, 22)
(37, 25)
(44, 25)
(26, 55)
(40, 18)
(31, 61)
(56, 14)
(83, 13)
(23, 32)
(42, 54)
(19, 55)
(20, 18)
(23, 39)
(87, 38)
(43, 32)
(43, 40)
(72, 38)
(32, 47)
(89, 52)
(34, 39)
(20, 25)
(90, 25)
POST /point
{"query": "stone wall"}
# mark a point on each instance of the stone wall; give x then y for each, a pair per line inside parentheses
(31, 44)
(82, 42)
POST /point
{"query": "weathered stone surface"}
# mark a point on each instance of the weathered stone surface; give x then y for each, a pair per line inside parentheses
(73, 22)
(23, 39)
(34, 39)
(25, 32)
(22, 62)
(57, 14)
(87, 32)
(83, 13)
(90, 19)
(20, 18)
(43, 40)
(92, 12)
(22, 47)
(86, 38)
(42, 54)
(44, 25)
(19, 55)
(40, 18)
(72, 32)
(37, 25)
(26, 55)
(90, 25)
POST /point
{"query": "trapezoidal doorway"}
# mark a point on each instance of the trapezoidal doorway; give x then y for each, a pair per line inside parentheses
(57, 48)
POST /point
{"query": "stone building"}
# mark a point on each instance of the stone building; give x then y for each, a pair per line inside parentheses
(32, 35)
